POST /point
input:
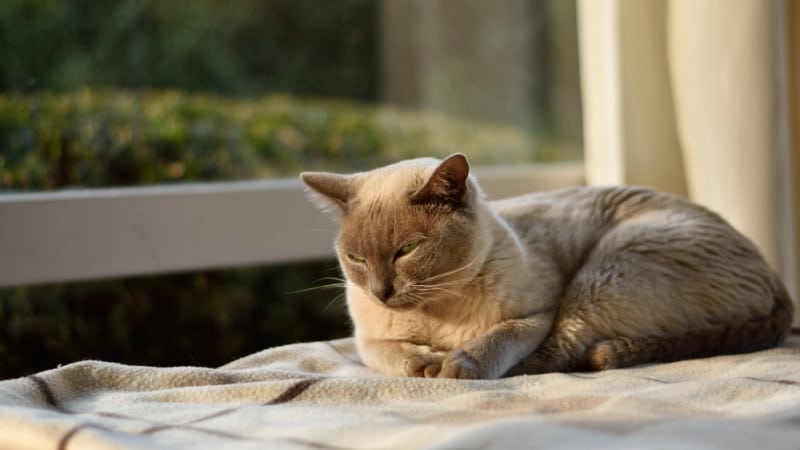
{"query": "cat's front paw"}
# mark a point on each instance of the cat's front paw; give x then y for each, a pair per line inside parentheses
(424, 365)
(459, 364)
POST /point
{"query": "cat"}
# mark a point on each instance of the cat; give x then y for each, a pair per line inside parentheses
(443, 283)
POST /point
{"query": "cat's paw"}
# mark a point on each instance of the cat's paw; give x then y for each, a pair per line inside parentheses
(602, 357)
(459, 364)
(425, 365)
(610, 354)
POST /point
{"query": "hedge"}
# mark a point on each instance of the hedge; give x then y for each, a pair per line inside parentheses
(117, 138)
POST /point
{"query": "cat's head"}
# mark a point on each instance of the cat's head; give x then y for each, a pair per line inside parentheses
(410, 232)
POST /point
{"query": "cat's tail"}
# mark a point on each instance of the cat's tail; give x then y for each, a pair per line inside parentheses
(745, 337)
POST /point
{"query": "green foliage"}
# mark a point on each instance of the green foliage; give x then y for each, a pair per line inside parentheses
(206, 318)
(117, 138)
(234, 47)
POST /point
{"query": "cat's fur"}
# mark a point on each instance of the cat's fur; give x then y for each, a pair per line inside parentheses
(442, 283)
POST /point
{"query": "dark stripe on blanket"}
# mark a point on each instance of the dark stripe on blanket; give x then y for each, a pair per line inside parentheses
(293, 391)
(315, 445)
(217, 433)
(224, 412)
(286, 396)
(654, 380)
(232, 436)
(781, 381)
(186, 425)
(47, 393)
(64, 442)
(583, 376)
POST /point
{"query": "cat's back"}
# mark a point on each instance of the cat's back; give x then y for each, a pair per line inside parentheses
(592, 212)
(598, 204)
(569, 224)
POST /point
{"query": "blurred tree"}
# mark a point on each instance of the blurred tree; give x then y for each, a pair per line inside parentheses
(237, 47)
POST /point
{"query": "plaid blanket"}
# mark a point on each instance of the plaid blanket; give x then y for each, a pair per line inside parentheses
(319, 396)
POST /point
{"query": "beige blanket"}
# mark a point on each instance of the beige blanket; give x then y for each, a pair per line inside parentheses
(318, 396)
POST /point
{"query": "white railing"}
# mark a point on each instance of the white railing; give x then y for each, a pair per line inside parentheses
(98, 233)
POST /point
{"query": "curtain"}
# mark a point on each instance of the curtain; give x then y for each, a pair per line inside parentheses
(693, 97)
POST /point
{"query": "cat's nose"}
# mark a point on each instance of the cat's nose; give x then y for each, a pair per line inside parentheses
(383, 293)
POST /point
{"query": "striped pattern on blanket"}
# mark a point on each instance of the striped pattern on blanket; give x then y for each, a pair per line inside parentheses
(319, 396)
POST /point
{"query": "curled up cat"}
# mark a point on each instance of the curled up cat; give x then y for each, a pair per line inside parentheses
(443, 283)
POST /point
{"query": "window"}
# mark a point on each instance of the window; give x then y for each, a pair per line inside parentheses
(138, 93)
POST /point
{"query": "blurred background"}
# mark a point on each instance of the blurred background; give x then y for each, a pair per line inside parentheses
(137, 92)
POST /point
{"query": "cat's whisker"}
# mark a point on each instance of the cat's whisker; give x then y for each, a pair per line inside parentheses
(433, 288)
(340, 280)
(459, 269)
(443, 291)
(336, 268)
(335, 300)
(415, 299)
(316, 288)
(458, 282)
(436, 287)
(440, 288)
(450, 287)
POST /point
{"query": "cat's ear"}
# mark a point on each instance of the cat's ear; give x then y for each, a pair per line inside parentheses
(330, 191)
(447, 185)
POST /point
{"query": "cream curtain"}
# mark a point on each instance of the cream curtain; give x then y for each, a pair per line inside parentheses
(692, 97)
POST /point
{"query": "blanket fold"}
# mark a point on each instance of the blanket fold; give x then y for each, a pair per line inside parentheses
(319, 396)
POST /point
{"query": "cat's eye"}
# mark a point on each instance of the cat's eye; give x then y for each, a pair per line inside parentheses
(406, 249)
(356, 259)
